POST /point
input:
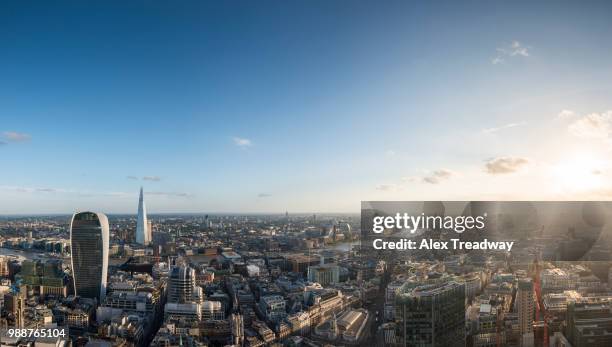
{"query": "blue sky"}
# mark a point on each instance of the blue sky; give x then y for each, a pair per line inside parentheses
(313, 106)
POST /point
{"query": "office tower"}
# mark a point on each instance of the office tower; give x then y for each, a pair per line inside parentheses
(431, 315)
(274, 307)
(324, 274)
(589, 321)
(4, 266)
(386, 335)
(184, 296)
(182, 286)
(14, 304)
(300, 263)
(89, 237)
(212, 310)
(143, 234)
(525, 306)
(237, 327)
(368, 256)
(44, 277)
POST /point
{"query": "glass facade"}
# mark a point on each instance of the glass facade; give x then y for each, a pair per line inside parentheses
(89, 237)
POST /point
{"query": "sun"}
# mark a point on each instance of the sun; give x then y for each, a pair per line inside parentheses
(579, 173)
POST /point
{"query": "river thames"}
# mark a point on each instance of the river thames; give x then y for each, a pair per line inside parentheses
(22, 255)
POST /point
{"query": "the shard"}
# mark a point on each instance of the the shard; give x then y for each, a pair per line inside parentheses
(143, 234)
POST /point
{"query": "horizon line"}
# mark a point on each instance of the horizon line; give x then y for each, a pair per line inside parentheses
(173, 213)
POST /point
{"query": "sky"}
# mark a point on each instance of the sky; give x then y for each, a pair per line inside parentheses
(301, 106)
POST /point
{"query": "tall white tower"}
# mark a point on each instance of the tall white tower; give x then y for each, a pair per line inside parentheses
(143, 235)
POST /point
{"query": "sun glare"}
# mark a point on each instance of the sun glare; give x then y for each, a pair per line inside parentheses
(579, 173)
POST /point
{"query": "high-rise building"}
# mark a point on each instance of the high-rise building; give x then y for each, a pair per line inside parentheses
(89, 238)
(4, 266)
(237, 327)
(325, 274)
(44, 277)
(525, 306)
(589, 321)
(185, 298)
(143, 232)
(273, 306)
(212, 310)
(182, 286)
(431, 315)
(14, 303)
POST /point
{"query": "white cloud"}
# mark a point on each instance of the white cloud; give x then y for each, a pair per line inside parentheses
(67, 192)
(242, 142)
(169, 194)
(505, 165)
(592, 126)
(387, 187)
(33, 189)
(118, 194)
(409, 179)
(438, 176)
(514, 49)
(517, 49)
(505, 126)
(145, 178)
(12, 136)
(566, 114)
(497, 60)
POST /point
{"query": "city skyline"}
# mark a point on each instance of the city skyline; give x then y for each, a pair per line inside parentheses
(306, 173)
(266, 108)
(311, 280)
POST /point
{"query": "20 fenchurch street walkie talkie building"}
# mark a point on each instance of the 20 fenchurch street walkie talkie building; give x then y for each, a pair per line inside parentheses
(89, 238)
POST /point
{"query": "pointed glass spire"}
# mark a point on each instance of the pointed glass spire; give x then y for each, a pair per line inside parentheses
(143, 236)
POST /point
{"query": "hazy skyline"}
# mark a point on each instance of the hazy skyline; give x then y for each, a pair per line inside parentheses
(301, 106)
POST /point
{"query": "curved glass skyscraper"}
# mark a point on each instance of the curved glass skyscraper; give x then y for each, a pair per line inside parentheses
(89, 237)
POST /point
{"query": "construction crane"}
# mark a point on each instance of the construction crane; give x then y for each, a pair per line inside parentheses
(540, 308)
